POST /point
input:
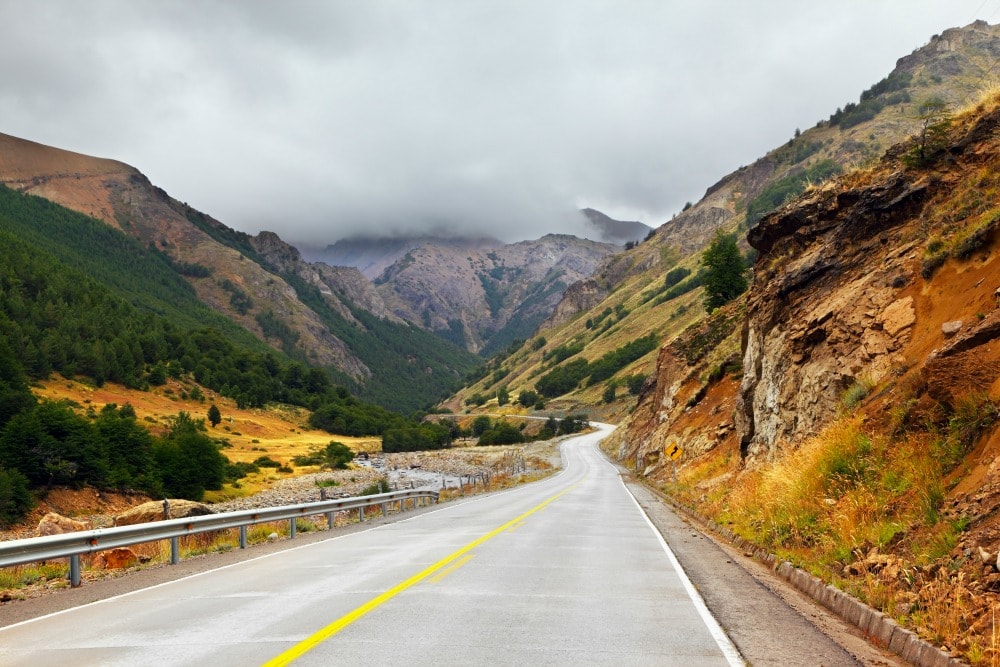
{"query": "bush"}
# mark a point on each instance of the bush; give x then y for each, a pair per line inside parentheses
(502, 434)
(380, 486)
(674, 276)
(189, 461)
(266, 462)
(562, 379)
(527, 398)
(476, 399)
(573, 424)
(416, 438)
(613, 361)
(240, 469)
(635, 383)
(335, 455)
(15, 499)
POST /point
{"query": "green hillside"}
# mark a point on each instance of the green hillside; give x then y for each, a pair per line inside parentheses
(146, 278)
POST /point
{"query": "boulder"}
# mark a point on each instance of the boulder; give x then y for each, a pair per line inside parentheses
(951, 328)
(56, 524)
(158, 510)
(115, 559)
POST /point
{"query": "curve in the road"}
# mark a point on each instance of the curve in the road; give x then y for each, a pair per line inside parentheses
(566, 570)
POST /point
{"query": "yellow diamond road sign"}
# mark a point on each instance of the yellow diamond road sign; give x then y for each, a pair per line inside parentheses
(672, 451)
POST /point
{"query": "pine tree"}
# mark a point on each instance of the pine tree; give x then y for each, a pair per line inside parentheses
(724, 267)
(214, 416)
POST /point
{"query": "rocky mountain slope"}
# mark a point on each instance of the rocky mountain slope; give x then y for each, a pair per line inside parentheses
(484, 298)
(954, 66)
(310, 311)
(866, 394)
(373, 255)
(610, 230)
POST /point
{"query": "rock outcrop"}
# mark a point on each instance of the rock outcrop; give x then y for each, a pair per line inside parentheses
(56, 524)
(487, 298)
(842, 297)
(159, 510)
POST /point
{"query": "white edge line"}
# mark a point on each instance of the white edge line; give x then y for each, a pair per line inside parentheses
(276, 553)
(729, 649)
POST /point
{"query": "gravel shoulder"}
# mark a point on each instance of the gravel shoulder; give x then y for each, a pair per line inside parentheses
(770, 622)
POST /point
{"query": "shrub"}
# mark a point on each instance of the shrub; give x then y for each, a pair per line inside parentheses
(856, 393)
(266, 462)
(501, 433)
(415, 438)
(527, 398)
(674, 276)
(15, 499)
(562, 379)
(375, 488)
(635, 383)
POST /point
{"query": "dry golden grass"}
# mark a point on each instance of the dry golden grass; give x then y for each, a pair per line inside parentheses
(280, 432)
(844, 495)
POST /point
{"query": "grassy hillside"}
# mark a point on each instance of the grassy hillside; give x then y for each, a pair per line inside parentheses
(635, 286)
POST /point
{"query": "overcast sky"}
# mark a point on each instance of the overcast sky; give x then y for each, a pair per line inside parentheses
(319, 120)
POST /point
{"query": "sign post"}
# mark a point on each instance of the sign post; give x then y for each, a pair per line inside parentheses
(672, 451)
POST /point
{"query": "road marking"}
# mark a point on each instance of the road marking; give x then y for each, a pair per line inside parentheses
(317, 638)
(729, 650)
(451, 568)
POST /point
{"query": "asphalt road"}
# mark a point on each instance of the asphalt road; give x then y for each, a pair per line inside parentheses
(566, 571)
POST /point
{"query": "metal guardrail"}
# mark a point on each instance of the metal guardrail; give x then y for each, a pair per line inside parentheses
(73, 545)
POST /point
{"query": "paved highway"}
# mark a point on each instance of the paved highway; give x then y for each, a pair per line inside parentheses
(565, 571)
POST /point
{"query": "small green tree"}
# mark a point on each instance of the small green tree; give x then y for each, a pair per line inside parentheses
(15, 499)
(214, 416)
(934, 116)
(610, 392)
(503, 396)
(337, 455)
(635, 383)
(527, 398)
(480, 425)
(724, 267)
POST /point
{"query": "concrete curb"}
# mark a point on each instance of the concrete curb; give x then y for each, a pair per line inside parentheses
(876, 626)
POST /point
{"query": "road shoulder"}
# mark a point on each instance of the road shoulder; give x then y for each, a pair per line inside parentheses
(770, 622)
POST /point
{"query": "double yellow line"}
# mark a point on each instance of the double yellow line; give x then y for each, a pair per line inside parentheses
(322, 635)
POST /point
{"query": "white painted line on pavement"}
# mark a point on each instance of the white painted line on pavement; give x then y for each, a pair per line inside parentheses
(729, 649)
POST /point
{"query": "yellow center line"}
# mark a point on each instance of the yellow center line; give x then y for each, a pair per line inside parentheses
(451, 568)
(322, 635)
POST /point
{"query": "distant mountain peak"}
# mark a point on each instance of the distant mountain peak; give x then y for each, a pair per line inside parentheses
(614, 231)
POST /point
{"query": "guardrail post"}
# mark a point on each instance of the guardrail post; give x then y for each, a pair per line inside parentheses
(291, 528)
(74, 570)
(243, 537)
(175, 550)
(329, 520)
(361, 514)
(385, 509)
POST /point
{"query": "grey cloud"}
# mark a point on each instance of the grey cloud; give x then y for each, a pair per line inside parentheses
(322, 119)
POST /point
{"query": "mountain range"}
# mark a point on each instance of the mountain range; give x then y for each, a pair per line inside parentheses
(329, 313)
(841, 413)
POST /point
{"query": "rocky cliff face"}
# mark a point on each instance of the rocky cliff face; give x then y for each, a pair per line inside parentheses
(488, 297)
(844, 295)
(885, 278)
